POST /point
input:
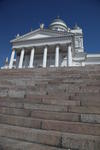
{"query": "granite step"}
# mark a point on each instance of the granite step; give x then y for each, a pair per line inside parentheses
(72, 127)
(48, 82)
(49, 138)
(50, 115)
(37, 117)
(80, 141)
(91, 102)
(49, 72)
(13, 144)
(68, 96)
(27, 110)
(52, 80)
(63, 126)
(21, 121)
(88, 117)
(31, 135)
(48, 104)
(46, 107)
(57, 108)
(90, 97)
(35, 106)
(45, 80)
(19, 103)
(23, 93)
(84, 109)
(15, 111)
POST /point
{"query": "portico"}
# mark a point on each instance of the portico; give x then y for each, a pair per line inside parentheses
(42, 56)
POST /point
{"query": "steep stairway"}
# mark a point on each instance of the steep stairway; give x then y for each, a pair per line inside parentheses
(50, 109)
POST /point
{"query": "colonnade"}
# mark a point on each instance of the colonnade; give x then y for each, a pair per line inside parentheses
(45, 52)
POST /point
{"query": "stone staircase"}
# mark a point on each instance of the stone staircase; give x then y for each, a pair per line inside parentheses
(50, 109)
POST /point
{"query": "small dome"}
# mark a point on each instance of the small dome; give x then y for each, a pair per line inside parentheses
(58, 25)
(76, 27)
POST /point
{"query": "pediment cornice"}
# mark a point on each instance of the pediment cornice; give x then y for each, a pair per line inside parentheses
(41, 34)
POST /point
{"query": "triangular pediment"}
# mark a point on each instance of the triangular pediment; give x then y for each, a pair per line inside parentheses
(38, 34)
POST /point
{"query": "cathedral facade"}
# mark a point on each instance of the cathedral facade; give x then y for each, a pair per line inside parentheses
(55, 46)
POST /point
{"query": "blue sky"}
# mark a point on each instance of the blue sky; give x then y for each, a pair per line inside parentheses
(20, 16)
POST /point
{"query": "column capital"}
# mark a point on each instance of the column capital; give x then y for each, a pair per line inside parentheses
(46, 46)
(13, 49)
(33, 47)
(69, 44)
(23, 48)
(57, 45)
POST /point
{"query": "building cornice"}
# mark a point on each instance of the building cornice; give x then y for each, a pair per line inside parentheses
(42, 42)
(43, 31)
(67, 37)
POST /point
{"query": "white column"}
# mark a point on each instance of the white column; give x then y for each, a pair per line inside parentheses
(69, 56)
(45, 57)
(31, 58)
(57, 57)
(12, 59)
(21, 59)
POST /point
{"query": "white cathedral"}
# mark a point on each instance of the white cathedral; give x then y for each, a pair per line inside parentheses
(55, 46)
